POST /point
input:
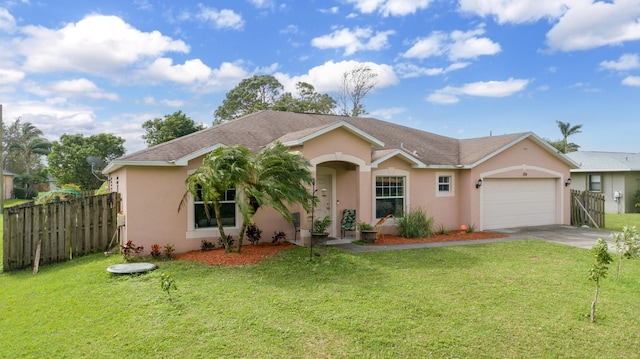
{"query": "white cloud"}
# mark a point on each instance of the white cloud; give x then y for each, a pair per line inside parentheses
(7, 21)
(9, 76)
(408, 70)
(224, 18)
(358, 39)
(516, 11)
(331, 10)
(433, 45)
(290, 29)
(164, 69)
(456, 45)
(390, 7)
(625, 62)
(327, 77)
(587, 25)
(450, 94)
(81, 88)
(631, 81)
(99, 45)
(387, 113)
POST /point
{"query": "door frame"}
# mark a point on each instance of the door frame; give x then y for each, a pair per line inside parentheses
(325, 171)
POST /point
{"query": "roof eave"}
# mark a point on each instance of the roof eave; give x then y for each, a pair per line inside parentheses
(415, 163)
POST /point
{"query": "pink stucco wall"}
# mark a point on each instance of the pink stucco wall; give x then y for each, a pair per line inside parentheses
(151, 195)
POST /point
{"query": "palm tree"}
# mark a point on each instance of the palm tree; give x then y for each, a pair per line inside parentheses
(222, 169)
(28, 144)
(274, 177)
(567, 130)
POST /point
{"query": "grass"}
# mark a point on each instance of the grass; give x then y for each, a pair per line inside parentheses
(615, 222)
(525, 299)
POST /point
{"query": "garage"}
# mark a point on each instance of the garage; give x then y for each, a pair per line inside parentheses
(509, 202)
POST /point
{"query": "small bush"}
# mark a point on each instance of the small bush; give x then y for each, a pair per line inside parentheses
(156, 250)
(129, 250)
(364, 226)
(206, 245)
(168, 250)
(278, 236)
(167, 283)
(253, 234)
(442, 229)
(415, 224)
(471, 228)
(230, 241)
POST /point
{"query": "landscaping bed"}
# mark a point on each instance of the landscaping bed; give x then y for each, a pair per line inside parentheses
(252, 254)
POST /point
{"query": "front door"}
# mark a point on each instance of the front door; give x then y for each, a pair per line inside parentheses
(325, 195)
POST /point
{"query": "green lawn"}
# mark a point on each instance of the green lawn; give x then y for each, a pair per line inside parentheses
(615, 222)
(525, 299)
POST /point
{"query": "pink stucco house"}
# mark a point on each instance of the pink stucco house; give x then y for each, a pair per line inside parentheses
(372, 166)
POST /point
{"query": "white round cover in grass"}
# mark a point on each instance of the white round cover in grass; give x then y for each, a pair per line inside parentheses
(130, 268)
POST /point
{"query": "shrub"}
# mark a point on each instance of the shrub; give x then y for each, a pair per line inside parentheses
(364, 226)
(168, 250)
(278, 236)
(253, 234)
(230, 241)
(156, 250)
(471, 228)
(129, 249)
(167, 283)
(442, 229)
(206, 245)
(415, 224)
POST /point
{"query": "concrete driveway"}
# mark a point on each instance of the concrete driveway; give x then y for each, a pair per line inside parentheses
(581, 237)
(573, 236)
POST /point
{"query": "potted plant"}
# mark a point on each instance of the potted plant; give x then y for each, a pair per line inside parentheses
(367, 233)
(319, 232)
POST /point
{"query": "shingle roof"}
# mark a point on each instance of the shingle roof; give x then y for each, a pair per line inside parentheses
(605, 161)
(259, 129)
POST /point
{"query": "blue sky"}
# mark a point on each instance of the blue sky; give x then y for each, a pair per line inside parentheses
(458, 68)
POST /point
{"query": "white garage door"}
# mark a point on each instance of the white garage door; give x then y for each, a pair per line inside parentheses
(511, 202)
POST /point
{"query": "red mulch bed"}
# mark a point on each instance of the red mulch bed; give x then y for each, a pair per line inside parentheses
(252, 254)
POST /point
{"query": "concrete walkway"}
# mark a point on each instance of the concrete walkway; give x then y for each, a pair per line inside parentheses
(573, 236)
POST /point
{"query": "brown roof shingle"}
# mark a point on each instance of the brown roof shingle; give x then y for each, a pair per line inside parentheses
(261, 128)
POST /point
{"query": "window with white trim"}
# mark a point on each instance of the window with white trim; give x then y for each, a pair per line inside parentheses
(595, 183)
(390, 195)
(227, 211)
(444, 184)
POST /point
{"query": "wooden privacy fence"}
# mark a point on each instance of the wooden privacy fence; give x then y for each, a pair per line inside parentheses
(587, 208)
(65, 229)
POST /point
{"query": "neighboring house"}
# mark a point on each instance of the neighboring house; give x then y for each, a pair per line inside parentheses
(614, 174)
(7, 181)
(372, 166)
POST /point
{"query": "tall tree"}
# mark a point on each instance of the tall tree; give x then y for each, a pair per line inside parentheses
(273, 178)
(567, 130)
(263, 92)
(308, 101)
(172, 126)
(253, 94)
(356, 84)
(29, 144)
(68, 158)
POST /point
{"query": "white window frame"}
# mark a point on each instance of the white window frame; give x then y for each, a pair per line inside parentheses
(207, 232)
(451, 191)
(590, 182)
(403, 196)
